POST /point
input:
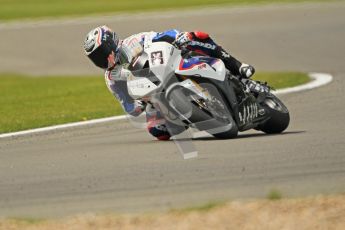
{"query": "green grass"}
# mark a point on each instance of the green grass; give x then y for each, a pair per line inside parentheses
(282, 80)
(26, 221)
(32, 102)
(201, 208)
(20, 9)
(274, 194)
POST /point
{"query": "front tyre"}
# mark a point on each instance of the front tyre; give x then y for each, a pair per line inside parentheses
(279, 116)
(231, 133)
(219, 111)
(219, 121)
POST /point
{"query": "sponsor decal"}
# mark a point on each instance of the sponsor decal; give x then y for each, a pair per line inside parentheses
(138, 84)
(172, 51)
(157, 58)
(202, 44)
(202, 66)
(201, 62)
(225, 54)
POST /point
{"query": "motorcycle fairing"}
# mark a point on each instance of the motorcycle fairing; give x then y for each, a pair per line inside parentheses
(163, 59)
(202, 66)
(190, 63)
(139, 86)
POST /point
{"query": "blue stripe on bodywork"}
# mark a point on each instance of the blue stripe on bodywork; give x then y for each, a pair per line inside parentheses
(168, 36)
(193, 61)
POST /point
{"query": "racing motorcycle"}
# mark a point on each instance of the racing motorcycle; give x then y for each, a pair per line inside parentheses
(196, 91)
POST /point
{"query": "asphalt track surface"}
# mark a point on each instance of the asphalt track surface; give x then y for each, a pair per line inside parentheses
(115, 167)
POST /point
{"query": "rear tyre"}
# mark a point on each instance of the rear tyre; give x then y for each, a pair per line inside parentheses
(280, 117)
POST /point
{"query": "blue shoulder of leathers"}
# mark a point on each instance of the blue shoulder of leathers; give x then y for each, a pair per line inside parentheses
(166, 36)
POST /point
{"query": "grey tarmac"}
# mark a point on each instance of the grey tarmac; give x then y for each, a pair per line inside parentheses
(114, 167)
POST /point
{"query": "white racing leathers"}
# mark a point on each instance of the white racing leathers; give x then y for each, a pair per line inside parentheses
(116, 81)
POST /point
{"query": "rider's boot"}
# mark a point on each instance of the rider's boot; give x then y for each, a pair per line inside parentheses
(255, 86)
(242, 70)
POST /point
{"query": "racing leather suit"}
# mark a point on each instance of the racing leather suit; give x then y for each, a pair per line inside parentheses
(132, 46)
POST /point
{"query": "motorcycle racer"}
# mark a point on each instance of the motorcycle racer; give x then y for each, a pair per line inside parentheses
(107, 51)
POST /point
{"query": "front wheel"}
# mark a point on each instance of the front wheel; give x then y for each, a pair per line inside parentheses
(211, 116)
(220, 112)
(279, 116)
(231, 133)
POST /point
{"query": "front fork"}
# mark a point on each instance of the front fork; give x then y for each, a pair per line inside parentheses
(248, 112)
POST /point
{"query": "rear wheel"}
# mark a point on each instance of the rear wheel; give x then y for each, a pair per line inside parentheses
(280, 117)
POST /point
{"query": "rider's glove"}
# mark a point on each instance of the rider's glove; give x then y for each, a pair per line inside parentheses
(183, 39)
(246, 71)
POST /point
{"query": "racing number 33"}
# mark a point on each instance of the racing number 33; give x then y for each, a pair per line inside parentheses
(157, 58)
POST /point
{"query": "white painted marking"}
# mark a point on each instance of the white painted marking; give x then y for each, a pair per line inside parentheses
(64, 126)
(190, 155)
(320, 79)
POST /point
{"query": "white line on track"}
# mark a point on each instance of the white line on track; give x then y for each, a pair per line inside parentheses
(319, 79)
(64, 126)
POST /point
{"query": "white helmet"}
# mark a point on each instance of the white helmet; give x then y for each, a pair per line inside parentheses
(99, 44)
